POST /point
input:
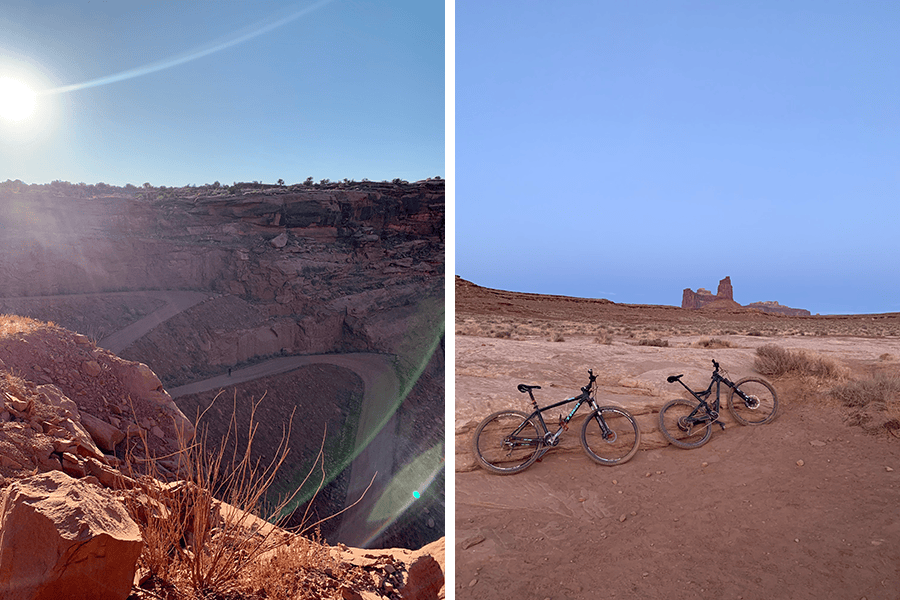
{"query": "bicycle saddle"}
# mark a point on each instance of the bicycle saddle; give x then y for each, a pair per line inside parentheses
(524, 388)
(674, 378)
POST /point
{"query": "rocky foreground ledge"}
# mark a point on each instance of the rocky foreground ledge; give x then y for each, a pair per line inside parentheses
(94, 502)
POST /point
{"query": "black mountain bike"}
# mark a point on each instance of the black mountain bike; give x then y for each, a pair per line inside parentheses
(688, 424)
(509, 441)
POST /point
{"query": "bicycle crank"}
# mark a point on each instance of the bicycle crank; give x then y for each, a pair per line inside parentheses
(688, 427)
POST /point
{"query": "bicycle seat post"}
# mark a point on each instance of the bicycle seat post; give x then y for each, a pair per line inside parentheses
(528, 388)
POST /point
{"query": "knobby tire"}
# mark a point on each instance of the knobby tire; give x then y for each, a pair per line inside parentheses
(763, 392)
(497, 452)
(675, 413)
(620, 446)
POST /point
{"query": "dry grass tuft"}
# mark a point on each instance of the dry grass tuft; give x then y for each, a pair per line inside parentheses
(196, 545)
(775, 361)
(502, 332)
(712, 343)
(654, 342)
(874, 402)
(13, 324)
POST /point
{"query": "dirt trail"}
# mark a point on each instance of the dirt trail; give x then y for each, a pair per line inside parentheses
(736, 518)
(176, 302)
(374, 451)
(376, 427)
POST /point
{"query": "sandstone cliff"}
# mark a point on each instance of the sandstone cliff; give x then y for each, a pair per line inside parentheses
(210, 279)
(98, 501)
(724, 299)
(775, 308)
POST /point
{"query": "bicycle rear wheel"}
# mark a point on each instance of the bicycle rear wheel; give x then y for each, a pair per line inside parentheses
(507, 442)
(621, 440)
(676, 424)
(760, 404)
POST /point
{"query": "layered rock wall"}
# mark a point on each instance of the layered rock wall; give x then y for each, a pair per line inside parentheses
(724, 298)
(314, 266)
(776, 308)
(257, 272)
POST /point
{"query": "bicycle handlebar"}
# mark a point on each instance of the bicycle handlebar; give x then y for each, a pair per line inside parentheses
(590, 384)
(716, 365)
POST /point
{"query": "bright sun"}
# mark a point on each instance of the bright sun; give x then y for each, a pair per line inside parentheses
(16, 100)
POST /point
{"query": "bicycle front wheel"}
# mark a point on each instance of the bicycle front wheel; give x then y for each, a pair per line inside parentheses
(753, 401)
(676, 422)
(610, 436)
(507, 442)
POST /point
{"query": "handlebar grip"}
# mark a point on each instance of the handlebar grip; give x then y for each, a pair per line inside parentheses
(674, 378)
(715, 364)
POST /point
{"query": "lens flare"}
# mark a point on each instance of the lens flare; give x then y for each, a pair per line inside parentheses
(232, 40)
(16, 100)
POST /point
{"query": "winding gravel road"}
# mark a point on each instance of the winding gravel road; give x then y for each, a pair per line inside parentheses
(374, 447)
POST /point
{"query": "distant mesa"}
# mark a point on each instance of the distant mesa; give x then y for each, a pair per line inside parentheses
(724, 299)
(703, 298)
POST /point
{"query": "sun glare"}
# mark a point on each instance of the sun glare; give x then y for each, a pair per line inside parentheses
(16, 100)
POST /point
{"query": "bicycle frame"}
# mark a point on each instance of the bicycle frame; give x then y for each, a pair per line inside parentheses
(712, 412)
(552, 439)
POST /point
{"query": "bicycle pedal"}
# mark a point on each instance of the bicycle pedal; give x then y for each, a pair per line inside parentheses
(720, 425)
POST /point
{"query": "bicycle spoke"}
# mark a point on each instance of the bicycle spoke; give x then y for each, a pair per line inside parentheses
(610, 436)
(753, 402)
(678, 422)
(507, 442)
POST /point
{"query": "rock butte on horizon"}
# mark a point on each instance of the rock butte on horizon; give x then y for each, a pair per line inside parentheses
(724, 298)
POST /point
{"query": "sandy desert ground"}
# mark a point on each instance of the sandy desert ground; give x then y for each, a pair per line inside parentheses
(807, 506)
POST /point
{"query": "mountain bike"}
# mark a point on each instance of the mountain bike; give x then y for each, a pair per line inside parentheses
(688, 424)
(509, 441)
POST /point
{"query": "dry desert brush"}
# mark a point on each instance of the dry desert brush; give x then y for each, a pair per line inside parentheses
(874, 402)
(712, 343)
(206, 532)
(774, 361)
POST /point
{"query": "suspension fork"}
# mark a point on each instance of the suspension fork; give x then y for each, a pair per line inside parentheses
(605, 431)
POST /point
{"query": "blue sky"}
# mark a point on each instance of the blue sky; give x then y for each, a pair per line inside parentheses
(629, 150)
(340, 89)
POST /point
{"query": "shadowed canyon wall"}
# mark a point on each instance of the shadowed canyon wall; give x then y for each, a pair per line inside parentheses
(286, 270)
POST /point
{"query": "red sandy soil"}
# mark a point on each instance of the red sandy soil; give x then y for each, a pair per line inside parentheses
(806, 507)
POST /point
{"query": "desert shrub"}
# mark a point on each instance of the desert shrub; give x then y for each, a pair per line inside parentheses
(556, 336)
(654, 342)
(881, 388)
(604, 337)
(194, 543)
(504, 333)
(713, 343)
(775, 361)
(874, 402)
(12, 324)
